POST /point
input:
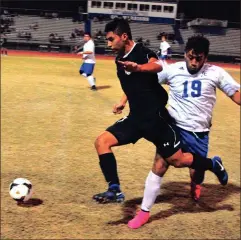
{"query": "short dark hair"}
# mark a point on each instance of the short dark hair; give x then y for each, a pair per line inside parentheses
(87, 33)
(119, 26)
(164, 35)
(198, 43)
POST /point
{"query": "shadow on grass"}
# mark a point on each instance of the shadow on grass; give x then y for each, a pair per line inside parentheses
(177, 194)
(103, 87)
(31, 203)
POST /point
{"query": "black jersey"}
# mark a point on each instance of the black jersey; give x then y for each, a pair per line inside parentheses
(144, 93)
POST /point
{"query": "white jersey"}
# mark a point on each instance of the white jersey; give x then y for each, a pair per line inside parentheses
(89, 46)
(192, 97)
(164, 46)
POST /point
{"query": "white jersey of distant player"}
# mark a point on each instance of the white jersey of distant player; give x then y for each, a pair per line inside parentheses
(192, 97)
(89, 46)
(164, 46)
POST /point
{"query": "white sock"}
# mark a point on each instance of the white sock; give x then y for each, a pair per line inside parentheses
(152, 189)
(91, 80)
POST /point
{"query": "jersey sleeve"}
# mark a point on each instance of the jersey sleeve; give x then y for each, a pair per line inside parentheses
(227, 84)
(163, 75)
(150, 54)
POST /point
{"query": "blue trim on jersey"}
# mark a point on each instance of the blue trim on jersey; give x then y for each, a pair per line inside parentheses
(87, 68)
(194, 142)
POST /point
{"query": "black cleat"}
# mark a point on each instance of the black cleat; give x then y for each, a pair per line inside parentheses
(93, 88)
(112, 195)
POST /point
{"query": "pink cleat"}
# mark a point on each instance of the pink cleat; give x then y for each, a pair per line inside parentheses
(140, 219)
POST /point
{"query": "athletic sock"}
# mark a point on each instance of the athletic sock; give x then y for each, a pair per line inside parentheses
(198, 177)
(109, 168)
(91, 80)
(201, 163)
(152, 189)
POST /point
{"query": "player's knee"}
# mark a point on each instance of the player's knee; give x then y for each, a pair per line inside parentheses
(159, 167)
(177, 163)
(101, 141)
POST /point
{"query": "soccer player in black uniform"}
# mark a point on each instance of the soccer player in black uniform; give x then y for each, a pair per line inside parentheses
(148, 117)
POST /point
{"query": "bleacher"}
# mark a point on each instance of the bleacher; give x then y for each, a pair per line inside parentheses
(144, 30)
(225, 44)
(62, 26)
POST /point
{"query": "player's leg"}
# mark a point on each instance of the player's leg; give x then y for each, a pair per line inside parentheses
(195, 143)
(169, 146)
(82, 70)
(86, 70)
(151, 191)
(122, 132)
(199, 163)
(89, 72)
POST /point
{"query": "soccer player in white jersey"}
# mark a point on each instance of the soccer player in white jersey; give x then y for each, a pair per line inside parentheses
(192, 96)
(88, 55)
(164, 47)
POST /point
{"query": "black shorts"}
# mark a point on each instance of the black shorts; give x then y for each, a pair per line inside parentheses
(159, 129)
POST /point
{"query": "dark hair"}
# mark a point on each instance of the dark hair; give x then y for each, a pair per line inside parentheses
(163, 34)
(119, 26)
(198, 43)
(87, 33)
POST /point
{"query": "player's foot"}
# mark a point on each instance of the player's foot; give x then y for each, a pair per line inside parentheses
(140, 219)
(219, 170)
(195, 191)
(93, 88)
(113, 194)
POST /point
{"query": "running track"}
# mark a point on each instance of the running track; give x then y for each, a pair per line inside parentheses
(72, 55)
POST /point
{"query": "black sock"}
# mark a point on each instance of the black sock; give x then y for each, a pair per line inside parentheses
(198, 177)
(201, 163)
(109, 168)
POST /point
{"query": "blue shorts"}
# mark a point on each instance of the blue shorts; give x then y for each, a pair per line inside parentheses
(194, 142)
(163, 57)
(87, 68)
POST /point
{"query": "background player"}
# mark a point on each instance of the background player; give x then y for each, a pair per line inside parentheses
(164, 47)
(3, 40)
(88, 55)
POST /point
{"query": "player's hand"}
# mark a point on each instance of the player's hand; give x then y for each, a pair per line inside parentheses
(129, 66)
(80, 53)
(117, 108)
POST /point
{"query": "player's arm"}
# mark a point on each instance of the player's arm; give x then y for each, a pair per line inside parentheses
(117, 108)
(89, 49)
(229, 86)
(77, 49)
(86, 52)
(152, 66)
(236, 97)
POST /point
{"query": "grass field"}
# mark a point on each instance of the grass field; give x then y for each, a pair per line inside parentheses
(49, 121)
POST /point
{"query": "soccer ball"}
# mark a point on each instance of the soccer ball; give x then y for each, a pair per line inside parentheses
(21, 189)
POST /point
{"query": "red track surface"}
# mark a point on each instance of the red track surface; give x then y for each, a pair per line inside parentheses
(72, 55)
